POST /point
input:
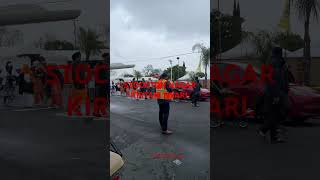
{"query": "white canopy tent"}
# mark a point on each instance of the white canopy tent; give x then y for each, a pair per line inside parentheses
(187, 77)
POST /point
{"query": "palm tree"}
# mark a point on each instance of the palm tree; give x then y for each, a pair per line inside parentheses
(307, 9)
(262, 42)
(204, 57)
(89, 42)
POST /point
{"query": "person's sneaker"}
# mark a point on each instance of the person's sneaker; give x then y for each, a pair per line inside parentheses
(243, 124)
(277, 140)
(261, 133)
(216, 124)
(167, 132)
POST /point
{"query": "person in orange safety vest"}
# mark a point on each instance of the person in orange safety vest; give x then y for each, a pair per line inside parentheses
(164, 96)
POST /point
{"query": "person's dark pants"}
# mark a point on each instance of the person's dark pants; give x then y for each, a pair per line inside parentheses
(195, 99)
(164, 115)
(272, 120)
(102, 92)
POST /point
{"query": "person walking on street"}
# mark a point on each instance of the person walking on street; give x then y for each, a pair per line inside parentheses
(79, 89)
(9, 82)
(163, 89)
(38, 75)
(143, 88)
(56, 90)
(196, 92)
(276, 98)
(102, 90)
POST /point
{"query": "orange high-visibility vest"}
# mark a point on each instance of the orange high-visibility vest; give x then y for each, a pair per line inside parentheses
(161, 90)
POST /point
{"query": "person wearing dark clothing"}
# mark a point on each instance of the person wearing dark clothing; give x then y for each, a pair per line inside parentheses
(163, 87)
(143, 88)
(76, 60)
(79, 89)
(276, 97)
(102, 90)
(196, 92)
(9, 81)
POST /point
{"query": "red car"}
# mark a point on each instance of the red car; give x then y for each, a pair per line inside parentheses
(305, 101)
(204, 93)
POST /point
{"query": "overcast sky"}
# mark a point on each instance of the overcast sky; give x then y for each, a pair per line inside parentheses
(266, 14)
(150, 29)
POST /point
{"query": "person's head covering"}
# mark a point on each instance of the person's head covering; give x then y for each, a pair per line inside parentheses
(163, 75)
(277, 59)
(76, 56)
(277, 52)
(9, 66)
(105, 55)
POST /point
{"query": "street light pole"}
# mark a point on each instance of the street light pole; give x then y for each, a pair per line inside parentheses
(75, 33)
(178, 67)
(171, 67)
(219, 33)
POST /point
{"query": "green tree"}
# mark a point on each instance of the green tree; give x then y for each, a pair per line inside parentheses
(156, 71)
(289, 41)
(182, 72)
(200, 74)
(305, 10)
(263, 42)
(226, 31)
(137, 74)
(89, 42)
(204, 56)
(148, 70)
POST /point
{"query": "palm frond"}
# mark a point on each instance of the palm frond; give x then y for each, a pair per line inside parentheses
(306, 8)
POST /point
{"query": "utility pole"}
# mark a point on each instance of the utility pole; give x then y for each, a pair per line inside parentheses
(171, 68)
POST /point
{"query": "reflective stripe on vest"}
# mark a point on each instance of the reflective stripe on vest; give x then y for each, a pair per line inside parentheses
(161, 90)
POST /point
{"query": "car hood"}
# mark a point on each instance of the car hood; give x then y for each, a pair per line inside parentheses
(203, 90)
(303, 90)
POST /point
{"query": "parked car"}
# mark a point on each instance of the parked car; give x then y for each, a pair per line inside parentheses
(204, 93)
(304, 101)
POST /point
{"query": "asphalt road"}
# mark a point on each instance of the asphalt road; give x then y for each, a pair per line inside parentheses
(39, 144)
(239, 154)
(136, 131)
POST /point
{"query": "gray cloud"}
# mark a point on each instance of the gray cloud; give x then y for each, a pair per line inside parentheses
(153, 28)
(178, 17)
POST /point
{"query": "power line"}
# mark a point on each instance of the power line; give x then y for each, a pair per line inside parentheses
(164, 57)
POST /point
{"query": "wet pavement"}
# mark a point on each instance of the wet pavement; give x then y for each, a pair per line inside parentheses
(135, 130)
(37, 144)
(239, 154)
